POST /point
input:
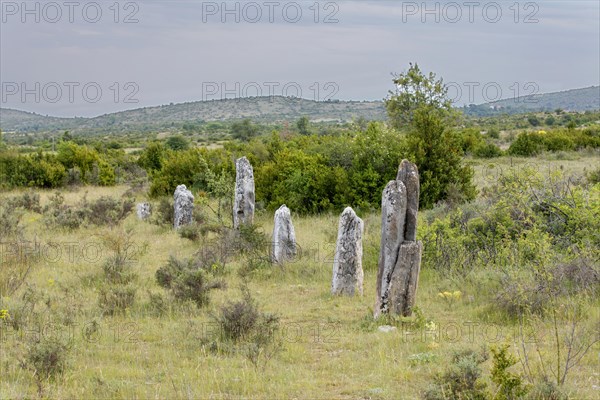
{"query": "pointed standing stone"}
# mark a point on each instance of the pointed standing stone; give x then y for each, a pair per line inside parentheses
(347, 264)
(284, 238)
(409, 175)
(243, 204)
(393, 217)
(184, 206)
(400, 257)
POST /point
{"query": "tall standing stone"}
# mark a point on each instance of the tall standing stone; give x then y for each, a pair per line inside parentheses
(409, 175)
(144, 210)
(184, 206)
(283, 247)
(243, 204)
(400, 255)
(393, 218)
(347, 264)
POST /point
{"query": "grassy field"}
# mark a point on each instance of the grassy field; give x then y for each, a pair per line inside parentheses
(330, 346)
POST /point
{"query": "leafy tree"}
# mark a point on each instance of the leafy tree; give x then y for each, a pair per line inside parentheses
(152, 157)
(533, 120)
(187, 167)
(243, 130)
(66, 137)
(413, 91)
(420, 102)
(178, 142)
(303, 125)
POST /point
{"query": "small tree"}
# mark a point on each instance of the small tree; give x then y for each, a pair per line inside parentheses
(244, 130)
(420, 105)
(303, 125)
(178, 142)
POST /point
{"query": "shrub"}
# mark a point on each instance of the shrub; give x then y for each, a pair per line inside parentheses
(180, 168)
(117, 267)
(487, 150)
(165, 212)
(108, 211)
(10, 221)
(526, 145)
(190, 231)
(593, 176)
(462, 378)
(243, 324)
(238, 319)
(186, 281)
(116, 299)
(509, 385)
(493, 133)
(194, 285)
(29, 201)
(103, 211)
(545, 390)
(47, 359)
(61, 215)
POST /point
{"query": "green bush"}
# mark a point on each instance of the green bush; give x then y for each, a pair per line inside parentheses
(527, 145)
(461, 380)
(116, 299)
(487, 150)
(509, 385)
(187, 281)
(47, 359)
(180, 168)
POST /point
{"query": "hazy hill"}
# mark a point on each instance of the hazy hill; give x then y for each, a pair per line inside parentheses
(272, 109)
(259, 109)
(586, 99)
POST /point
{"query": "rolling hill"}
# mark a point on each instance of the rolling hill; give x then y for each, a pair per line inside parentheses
(271, 110)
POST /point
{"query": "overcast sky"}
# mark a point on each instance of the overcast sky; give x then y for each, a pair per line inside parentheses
(85, 58)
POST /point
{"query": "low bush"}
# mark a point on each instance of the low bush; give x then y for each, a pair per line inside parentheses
(462, 379)
(116, 299)
(29, 201)
(487, 150)
(187, 281)
(245, 326)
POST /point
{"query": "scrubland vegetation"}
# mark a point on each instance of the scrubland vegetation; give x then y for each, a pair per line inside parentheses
(96, 303)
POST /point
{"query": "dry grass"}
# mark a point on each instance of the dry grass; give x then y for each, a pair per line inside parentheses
(332, 349)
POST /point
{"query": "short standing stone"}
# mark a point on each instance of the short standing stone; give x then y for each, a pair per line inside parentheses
(144, 210)
(283, 247)
(243, 204)
(184, 206)
(347, 264)
(409, 175)
(393, 217)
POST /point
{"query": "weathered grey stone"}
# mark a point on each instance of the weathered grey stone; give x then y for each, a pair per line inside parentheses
(393, 216)
(400, 256)
(409, 175)
(402, 288)
(184, 206)
(283, 247)
(243, 204)
(347, 264)
(144, 210)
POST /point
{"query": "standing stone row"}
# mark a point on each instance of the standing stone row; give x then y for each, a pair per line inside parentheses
(400, 254)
